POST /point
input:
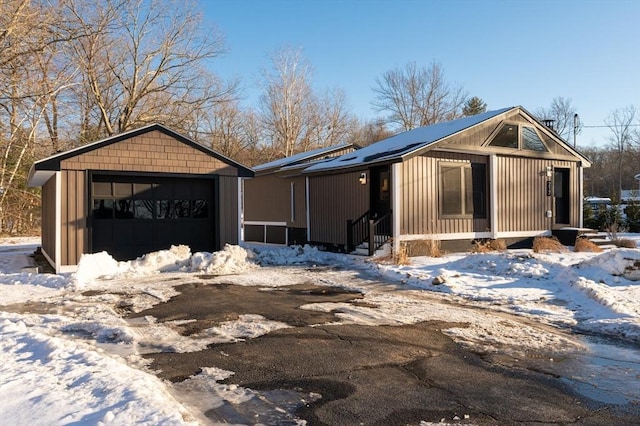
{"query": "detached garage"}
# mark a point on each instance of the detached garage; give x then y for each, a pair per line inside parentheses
(137, 192)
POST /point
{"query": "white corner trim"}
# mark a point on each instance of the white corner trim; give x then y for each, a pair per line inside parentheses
(581, 195)
(240, 210)
(58, 226)
(307, 207)
(65, 269)
(396, 176)
(493, 194)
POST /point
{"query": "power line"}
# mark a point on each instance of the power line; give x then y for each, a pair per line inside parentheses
(594, 127)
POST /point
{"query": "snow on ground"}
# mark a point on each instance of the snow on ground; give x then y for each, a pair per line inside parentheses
(74, 359)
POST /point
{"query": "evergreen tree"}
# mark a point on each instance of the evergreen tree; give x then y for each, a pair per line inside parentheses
(474, 106)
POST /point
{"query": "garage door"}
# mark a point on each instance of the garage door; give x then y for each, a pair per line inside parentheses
(132, 216)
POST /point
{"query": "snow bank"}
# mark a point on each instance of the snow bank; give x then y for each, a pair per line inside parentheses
(617, 262)
(230, 260)
(52, 380)
(295, 255)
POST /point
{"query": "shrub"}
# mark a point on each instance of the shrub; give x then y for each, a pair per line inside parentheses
(586, 245)
(624, 242)
(401, 257)
(542, 244)
(484, 246)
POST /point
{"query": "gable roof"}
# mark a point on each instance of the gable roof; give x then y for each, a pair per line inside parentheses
(43, 169)
(399, 147)
(395, 147)
(301, 158)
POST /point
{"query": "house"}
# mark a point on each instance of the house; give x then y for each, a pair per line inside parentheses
(137, 192)
(275, 201)
(497, 175)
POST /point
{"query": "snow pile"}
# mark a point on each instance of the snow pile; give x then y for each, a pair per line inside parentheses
(230, 260)
(617, 262)
(96, 265)
(69, 382)
(160, 261)
(43, 280)
(295, 255)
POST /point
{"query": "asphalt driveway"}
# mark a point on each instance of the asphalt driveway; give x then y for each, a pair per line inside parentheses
(359, 375)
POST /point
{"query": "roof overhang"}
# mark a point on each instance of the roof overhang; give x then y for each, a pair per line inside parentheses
(39, 177)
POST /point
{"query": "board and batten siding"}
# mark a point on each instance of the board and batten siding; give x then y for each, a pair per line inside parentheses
(522, 199)
(228, 208)
(419, 202)
(268, 199)
(153, 152)
(73, 227)
(49, 218)
(334, 199)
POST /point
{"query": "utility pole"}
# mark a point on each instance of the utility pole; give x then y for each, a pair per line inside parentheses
(575, 128)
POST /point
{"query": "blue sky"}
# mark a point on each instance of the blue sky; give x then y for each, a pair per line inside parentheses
(505, 52)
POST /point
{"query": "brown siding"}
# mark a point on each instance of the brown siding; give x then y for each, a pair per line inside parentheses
(419, 197)
(73, 227)
(473, 139)
(150, 152)
(49, 218)
(334, 199)
(268, 199)
(522, 194)
(228, 208)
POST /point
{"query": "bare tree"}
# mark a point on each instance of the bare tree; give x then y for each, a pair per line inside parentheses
(369, 132)
(562, 113)
(294, 117)
(144, 61)
(285, 102)
(620, 123)
(417, 96)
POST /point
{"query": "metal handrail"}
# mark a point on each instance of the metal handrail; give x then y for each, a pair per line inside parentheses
(367, 229)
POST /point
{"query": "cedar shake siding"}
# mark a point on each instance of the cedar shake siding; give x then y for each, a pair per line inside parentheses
(153, 156)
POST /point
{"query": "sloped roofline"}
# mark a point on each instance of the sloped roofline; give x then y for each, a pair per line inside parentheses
(425, 141)
(52, 163)
(297, 159)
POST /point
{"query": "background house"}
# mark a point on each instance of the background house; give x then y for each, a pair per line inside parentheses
(137, 192)
(275, 201)
(500, 174)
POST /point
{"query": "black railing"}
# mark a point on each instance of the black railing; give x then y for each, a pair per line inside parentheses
(375, 231)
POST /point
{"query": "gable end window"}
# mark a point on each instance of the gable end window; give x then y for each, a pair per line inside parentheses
(518, 137)
(463, 190)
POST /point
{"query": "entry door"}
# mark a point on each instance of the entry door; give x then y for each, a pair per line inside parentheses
(561, 196)
(380, 190)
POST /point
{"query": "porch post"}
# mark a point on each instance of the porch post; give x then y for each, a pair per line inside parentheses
(396, 188)
(493, 195)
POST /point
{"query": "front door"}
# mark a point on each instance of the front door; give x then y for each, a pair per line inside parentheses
(561, 196)
(380, 191)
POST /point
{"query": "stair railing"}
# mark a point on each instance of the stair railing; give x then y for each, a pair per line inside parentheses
(365, 228)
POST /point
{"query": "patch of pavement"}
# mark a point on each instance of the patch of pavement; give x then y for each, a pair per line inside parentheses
(373, 375)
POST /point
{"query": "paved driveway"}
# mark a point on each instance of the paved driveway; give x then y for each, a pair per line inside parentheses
(330, 374)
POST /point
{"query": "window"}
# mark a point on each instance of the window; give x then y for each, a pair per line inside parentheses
(463, 190)
(531, 140)
(507, 137)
